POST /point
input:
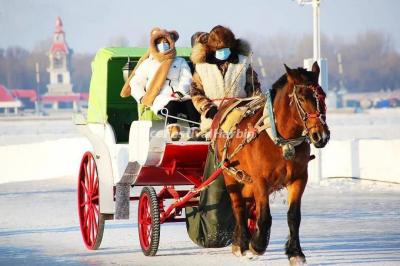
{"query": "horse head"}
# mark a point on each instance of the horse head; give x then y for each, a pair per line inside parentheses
(307, 98)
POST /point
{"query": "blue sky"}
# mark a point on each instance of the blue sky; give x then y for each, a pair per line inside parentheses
(92, 24)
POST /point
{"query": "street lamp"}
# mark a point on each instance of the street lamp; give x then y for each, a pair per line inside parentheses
(322, 62)
(315, 168)
(316, 27)
(37, 88)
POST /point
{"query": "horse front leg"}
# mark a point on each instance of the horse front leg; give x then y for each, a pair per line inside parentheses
(293, 248)
(241, 236)
(260, 239)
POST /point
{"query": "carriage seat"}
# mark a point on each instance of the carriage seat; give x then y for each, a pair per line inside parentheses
(146, 141)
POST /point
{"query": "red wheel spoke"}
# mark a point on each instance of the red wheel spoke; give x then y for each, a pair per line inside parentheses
(92, 226)
(87, 226)
(87, 178)
(89, 213)
(144, 222)
(96, 185)
(84, 187)
(85, 203)
(96, 210)
(90, 177)
(96, 223)
(92, 173)
(85, 220)
(85, 168)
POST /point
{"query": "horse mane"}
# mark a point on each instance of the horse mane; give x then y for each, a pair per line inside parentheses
(281, 82)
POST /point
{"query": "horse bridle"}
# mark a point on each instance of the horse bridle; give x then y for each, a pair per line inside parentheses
(320, 102)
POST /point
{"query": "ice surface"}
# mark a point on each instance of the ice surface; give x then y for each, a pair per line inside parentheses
(384, 124)
(344, 222)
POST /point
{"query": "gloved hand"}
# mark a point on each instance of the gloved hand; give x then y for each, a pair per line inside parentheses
(211, 112)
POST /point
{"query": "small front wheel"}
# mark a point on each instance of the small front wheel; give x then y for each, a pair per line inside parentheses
(149, 221)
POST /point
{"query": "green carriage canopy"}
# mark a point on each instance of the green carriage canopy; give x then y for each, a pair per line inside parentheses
(105, 103)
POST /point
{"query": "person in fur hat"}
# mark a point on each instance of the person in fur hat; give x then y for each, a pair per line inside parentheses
(162, 80)
(222, 70)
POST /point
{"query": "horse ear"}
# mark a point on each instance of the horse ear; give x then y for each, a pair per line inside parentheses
(315, 68)
(290, 74)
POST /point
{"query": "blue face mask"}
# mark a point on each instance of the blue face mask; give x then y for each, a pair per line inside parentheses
(162, 47)
(223, 54)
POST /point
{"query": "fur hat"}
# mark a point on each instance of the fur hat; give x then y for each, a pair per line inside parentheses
(219, 37)
(196, 37)
(157, 33)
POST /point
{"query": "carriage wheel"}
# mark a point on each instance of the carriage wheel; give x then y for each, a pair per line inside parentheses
(149, 221)
(90, 218)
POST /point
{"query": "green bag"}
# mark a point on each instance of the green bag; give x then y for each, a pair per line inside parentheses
(145, 113)
(211, 224)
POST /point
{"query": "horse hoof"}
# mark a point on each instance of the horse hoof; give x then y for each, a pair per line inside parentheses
(257, 253)
(248, 254)
(297, 261)
(236, 251)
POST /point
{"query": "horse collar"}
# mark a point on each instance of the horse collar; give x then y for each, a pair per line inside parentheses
(268, 120)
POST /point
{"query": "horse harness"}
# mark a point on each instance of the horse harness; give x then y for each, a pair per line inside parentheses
(249, 108)
(320, 102)
(267, 123)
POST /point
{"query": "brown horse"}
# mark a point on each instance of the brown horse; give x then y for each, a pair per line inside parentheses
(299, 108)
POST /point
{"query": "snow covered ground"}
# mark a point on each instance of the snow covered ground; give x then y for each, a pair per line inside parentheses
(344, 222)
(381, 124)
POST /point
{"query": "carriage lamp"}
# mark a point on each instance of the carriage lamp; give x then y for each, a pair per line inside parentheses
(127, 69)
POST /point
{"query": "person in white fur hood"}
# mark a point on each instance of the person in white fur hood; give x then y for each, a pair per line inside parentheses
(162, 80)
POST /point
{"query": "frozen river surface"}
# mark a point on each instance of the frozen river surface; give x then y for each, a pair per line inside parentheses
(344, 222)
(380, 124)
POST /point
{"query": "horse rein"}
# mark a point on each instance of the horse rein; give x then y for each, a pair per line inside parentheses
(319, 99)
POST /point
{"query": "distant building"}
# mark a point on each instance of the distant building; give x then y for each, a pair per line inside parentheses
(378, 99)
(60, 93)
(26, 96)
(7, 101)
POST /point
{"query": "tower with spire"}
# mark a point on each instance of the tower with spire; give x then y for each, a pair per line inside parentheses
(59, 63)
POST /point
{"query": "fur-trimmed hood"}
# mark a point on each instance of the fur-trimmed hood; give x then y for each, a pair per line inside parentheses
(165, 59)
(205, 45)
(157, 33)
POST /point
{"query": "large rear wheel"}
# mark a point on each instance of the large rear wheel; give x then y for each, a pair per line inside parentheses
(149, 221)
(90, 219)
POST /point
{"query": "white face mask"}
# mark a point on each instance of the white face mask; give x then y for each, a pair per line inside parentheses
(223, 54)
(163, 47)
